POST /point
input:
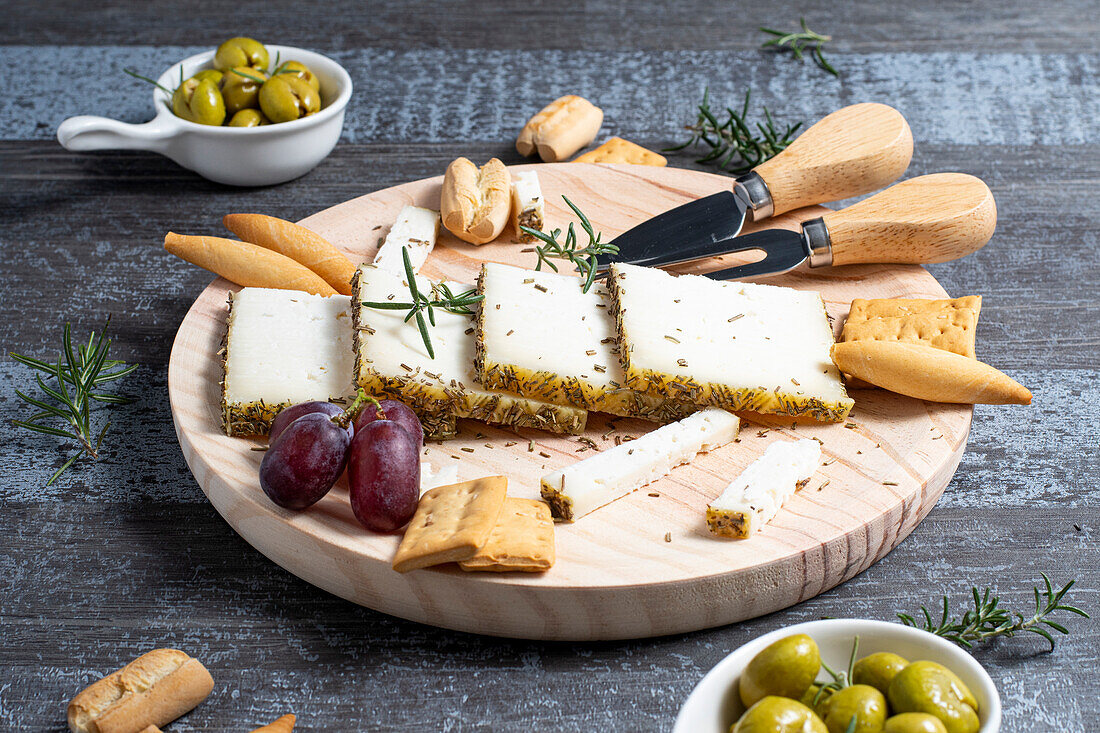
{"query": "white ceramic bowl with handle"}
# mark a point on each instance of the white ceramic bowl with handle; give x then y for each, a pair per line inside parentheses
(238, 156)
(714, 705)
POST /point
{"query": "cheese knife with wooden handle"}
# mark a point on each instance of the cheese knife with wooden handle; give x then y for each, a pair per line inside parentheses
(851, 152)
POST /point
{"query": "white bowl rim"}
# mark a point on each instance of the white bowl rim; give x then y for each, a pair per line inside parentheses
(162, 101)
(729, 666)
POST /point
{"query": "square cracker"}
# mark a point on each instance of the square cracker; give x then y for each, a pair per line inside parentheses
(451, 523)
(522, 540)
(617, 150)
(948, 324)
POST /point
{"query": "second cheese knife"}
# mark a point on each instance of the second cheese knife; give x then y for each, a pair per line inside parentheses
(851, 152)
(933, 218)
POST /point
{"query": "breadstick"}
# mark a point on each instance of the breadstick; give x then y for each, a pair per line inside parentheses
(296, 242)
(153, 690)
(560, 129)
(284, 724)
(246, 264)
(928, 373)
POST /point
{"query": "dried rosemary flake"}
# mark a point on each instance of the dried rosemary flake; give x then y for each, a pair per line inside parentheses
(668, 537)
(540, 288)
(889, 483)
(654, 493)
(739, 315)
(673, 339)
(467, 450)
(259, 447)
(544, 455)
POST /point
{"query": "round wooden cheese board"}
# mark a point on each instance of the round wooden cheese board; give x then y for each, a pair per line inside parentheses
(644, 565)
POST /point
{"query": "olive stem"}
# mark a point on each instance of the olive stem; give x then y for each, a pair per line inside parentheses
(145, 78)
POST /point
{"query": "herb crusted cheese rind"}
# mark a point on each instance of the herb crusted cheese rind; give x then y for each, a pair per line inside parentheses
(742, 346)
(613, 473)
(756, 496)
(391, 359)
(540, 335)
(282, 347)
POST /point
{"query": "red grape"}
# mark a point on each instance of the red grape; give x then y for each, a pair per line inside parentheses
(292, 413)
(384, 475)
(396, 411)
(305, 461)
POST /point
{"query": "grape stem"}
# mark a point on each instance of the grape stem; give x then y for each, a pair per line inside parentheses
(344, 418)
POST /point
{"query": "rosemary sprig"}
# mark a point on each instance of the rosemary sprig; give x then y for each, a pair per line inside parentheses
(583, 259)
(74, 379)
(987, 619)
(840, 679)
(735, 145)
(441, 297)
(797, 42)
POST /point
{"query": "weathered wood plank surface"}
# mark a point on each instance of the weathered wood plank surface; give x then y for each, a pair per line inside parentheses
(127, 554)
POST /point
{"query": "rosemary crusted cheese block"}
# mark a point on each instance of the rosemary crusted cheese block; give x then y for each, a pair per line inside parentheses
(590, 484)
(528, 209)
(756, 496)
(415, 230)
(741, 346)
(283, 347)
(540, 335)
(391, 358)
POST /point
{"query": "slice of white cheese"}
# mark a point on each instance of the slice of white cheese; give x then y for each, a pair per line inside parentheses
(528, 208)
(756, 496)
(283, 347)
(391, 358)
(590, 484)
(415, 230)
(741, 346)
(540, 335)
(431, 478)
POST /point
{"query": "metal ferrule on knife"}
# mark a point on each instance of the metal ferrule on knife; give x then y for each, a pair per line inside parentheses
(752, 192)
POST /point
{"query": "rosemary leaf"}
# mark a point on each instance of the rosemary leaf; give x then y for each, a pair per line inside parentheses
(798, 42)
(734, 145)
(987, 619)
(67, 393)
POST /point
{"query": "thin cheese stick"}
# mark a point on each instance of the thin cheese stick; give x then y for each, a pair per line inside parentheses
(302, 245)
(249, 265)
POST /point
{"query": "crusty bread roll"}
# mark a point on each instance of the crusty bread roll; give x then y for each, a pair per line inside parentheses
(284, 724)
(928, 373)
(153, 690)
(560, 129)
(474, 204)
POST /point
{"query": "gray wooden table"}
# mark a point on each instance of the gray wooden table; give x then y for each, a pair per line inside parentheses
(126, 555)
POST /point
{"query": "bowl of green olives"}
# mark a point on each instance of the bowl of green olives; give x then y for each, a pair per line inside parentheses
(844, 676)
(244, 114)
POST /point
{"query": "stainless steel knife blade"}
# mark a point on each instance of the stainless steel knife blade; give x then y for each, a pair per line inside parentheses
(688, 232)
(783, 251)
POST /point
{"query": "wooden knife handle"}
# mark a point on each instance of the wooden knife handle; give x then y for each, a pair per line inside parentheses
(932, 218)
(851, 152)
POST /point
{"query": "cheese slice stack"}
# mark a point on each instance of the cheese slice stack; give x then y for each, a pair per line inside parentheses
(540, 335)
(756, 496)
(736, 345)
(416, 230)
(283, 347)
(590, 484)
(390, 358)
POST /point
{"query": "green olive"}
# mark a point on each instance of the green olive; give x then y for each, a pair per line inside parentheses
(241, 89)
(786, 667)
(878, 669)
(249, 118)
(241, 52)
(212, 74)
(810, 694)
(774, 714)
(286, 98)
(927, 687)
(300, 70)
(199, 101)
(914, 723)
(863, 702)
